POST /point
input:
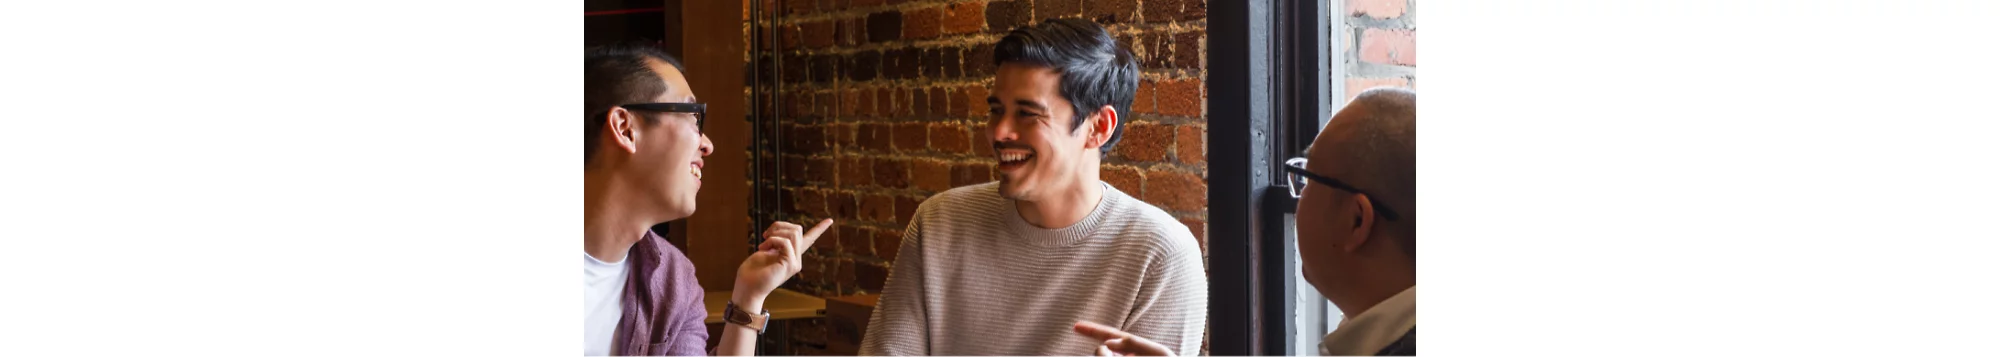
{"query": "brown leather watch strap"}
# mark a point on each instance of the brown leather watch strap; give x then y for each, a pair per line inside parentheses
(736, 315)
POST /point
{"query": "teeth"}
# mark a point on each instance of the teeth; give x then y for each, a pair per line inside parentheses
(696, 171)
(1014, 156)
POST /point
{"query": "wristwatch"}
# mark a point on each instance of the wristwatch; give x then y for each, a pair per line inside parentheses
(736, 315)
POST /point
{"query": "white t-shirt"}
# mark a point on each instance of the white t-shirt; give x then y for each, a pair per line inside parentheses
(603, 287)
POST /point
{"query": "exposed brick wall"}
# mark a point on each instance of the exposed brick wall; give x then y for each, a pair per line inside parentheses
(885, 106)
(1386, 54)
(884, 102)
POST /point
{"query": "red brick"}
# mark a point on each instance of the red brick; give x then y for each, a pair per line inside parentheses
(823, 105)
(1171, 10)
(1142, 100)
(1157, 53)
(885, 26)
(809, 202)
(1146, 142)
(805, 139)
(932, 64)
(878, 208)
(906, 207)
(870, 277)
(820, 170)
(845, 277)
(862, 66)
(931, 175)
(912, 137)
(814, 269)
(920, 102)
(1124, 178)
(1392, 46)
(888, 243)
(856, 241)
(1048, 9)
(892, 173)
(876, 137)
(788, 36)
(857, 171)
(866, 105)
(952, 66)
(1180, 97)
(982, 144)
(1003, 16)
(1176, 191)
(1381, 9)
(908, 63)
(923, 23)
(841, 206)
(795, 167)
(971, 174)
(822, 68)
(884, 104)
(906, 104)
(844, 134)
(1356, 85)
(866, 3)
(819, 34)
(1187, 50)
(941, 103)
(975, 101)
(1112, 12)
(1190, 144)
(965, 17)
(851, 32)
(850, 103)
(979, 61)
(950, 138)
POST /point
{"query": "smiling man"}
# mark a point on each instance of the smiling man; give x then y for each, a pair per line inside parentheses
(1005, 268)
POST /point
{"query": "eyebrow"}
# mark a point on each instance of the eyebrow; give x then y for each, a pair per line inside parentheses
(1021, 102)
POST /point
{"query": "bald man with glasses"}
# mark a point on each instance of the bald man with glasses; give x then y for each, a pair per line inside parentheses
(1357, 229)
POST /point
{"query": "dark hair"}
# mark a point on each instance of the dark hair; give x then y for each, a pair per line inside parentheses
(1095, 70)
(614, 75)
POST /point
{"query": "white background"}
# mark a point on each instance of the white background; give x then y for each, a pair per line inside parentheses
(1636, 178)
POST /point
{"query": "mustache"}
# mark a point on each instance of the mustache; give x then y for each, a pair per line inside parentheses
(1011, 145)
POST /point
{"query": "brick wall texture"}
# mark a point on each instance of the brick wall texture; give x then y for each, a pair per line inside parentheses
(1378, 44)
(883, 104)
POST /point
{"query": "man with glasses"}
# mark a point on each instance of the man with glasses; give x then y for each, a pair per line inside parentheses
(642, 159)
(1357, 229)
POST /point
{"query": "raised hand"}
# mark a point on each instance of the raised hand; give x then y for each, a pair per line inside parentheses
(1119, 343)
(777, 259)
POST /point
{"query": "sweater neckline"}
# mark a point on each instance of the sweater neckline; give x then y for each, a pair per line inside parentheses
(1066, 236)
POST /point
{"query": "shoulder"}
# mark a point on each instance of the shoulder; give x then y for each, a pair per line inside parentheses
(973, 198)
(1163, 234)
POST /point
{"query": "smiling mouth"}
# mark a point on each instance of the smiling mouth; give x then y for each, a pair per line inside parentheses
(695, 168)
(1012, 158)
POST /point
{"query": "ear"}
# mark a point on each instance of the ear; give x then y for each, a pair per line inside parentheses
(623, 126)
(1363, 221)
(1102, 123)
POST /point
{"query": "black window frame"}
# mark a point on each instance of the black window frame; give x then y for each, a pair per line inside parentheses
(1270, 84)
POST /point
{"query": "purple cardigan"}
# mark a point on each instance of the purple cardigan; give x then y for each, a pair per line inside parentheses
(664, 313)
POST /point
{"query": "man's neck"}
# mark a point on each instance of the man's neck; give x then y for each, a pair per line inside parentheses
(1063, 207)
(1367, 294)
(610, 225)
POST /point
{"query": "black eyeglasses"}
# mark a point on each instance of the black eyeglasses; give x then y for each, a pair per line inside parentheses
(1296, 177)
(700, 110)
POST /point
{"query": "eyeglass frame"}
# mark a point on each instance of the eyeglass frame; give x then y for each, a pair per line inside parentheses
(1296, 167)
(700, 111)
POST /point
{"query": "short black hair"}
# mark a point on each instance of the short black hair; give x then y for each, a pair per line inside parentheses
(614, 75)
(1095, 69)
